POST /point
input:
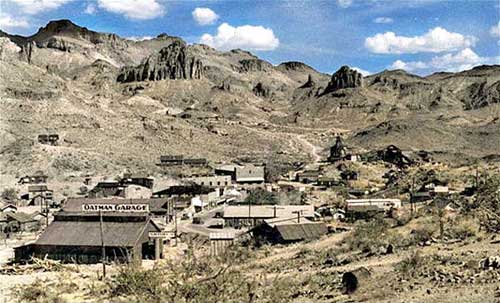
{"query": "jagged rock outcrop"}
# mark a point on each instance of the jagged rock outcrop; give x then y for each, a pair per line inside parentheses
(254, 65)
(261, 90)
(481, 94)
(309, 83)
(172, 62)
(294, 65)
(345, 77)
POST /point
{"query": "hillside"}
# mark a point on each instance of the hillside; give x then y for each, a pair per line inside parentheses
(114, 102)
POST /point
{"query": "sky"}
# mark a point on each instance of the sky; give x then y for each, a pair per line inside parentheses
(419, 36)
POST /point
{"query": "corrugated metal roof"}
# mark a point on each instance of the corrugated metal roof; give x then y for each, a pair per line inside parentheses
(267, 211)
(302, 231)
(80, 233)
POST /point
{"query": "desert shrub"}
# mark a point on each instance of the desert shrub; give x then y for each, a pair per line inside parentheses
(462, 228)
(368, 236)
(9, 194)
(260, 197)
(45, 291)
(198, 280)
(408, 265)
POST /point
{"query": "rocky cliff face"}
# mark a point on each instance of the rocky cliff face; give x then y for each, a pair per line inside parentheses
(345, 77)
(172, 62)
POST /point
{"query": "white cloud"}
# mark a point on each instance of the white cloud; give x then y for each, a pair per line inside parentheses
(383, 20)
(8, 22)
(90, 9)
(247, 37)
(133, 9)
(32, 7)
(462, 60)
(364, 72)
(435, 40)
(204, 16)
(495, 30)
(137, 38)
(344, 3)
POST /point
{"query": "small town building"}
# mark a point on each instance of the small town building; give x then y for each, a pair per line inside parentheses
(328, 181)
(129, 179)
(211, 181)
(251, 215)
(8, 208)
(176, 160)
(21, 222)
(105, 189)
(365, 208)
(308, 176)
(52, 139)
(250, 174)
(288, 230)
(77, 238)
(157, 207)
(227, 170)
(38, 178)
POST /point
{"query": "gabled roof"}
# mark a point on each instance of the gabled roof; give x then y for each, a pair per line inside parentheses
(20, 217)
(88, 233)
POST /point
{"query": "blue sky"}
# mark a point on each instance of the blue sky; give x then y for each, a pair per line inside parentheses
(421, 36)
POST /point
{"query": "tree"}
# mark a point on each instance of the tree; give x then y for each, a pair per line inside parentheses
(261, 197)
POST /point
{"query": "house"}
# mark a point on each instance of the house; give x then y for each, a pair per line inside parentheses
(251, 215)
(250, 174)
(106, 189)
(348, 175)
(20, 222)
(8, 208)
(71, 238)
(52, 139)
(177, 160)
(227, 170)
(308, 176)
(288, 230)
(38, 178)
(364, 208)
(328, 182)
(129, 179)
(211, 181)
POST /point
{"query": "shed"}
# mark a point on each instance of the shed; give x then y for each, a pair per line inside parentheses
(288, 230)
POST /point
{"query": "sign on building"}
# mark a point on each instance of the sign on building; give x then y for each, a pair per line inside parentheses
(162, 234)
(129, 208)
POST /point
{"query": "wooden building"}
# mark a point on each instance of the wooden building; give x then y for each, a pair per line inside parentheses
(52, 139)
(77, 238)
(250, 174)
(288, 230)
(251, 215)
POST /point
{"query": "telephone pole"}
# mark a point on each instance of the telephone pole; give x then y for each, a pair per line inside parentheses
(102, 246)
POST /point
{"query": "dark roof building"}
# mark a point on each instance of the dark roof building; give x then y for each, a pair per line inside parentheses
(288, 230)
(72, 238)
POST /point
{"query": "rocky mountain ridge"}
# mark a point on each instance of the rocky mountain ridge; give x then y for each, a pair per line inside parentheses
(90, 87)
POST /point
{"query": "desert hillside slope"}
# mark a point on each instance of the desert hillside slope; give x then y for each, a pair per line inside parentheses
(119, 104)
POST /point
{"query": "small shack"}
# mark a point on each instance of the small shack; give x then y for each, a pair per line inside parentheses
(288, 230)
(52, 139)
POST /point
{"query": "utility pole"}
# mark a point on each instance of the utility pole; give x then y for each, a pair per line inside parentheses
(299, 213)
(175, 226)
(411, 195)
(275, 207)
(249, 211)
(102, 246)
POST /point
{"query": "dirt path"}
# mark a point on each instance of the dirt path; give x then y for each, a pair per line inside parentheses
(313, 149)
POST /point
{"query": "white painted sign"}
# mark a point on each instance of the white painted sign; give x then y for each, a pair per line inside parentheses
(162, 234)
(129, 208)
(221, 236)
